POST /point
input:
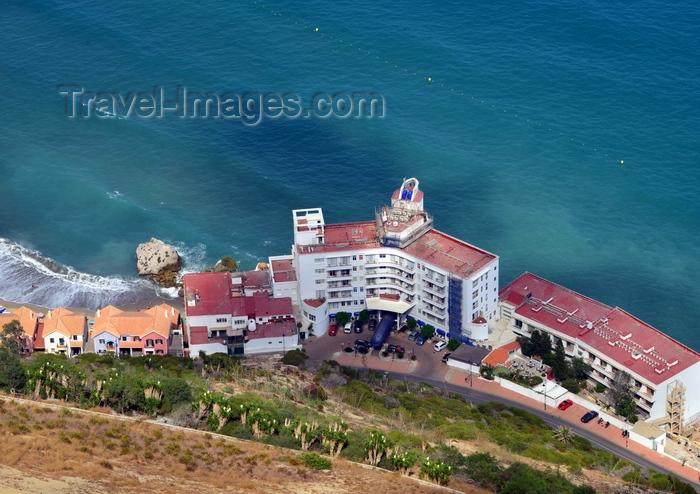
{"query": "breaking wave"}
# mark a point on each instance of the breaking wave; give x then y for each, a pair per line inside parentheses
(28, 277)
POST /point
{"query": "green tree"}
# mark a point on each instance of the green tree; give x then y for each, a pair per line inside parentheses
(563, 434)
(544, 347)
(579, 368)
(229, 263)
(176, 390)
(411, 323)
(12, 373)
(484, 469)
(12, 337)
(436, 470)
(342, 318)
(560, 368)
(453, 344)
(571, 384)
(522, 478)
(364, 316)
(428, 331)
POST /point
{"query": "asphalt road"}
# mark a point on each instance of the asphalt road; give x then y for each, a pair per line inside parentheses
(477, 396)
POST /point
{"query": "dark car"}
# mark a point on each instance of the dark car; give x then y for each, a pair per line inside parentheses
(372, 324)
(395, 349)
(589, 416)
(446, 357)
(403, 328)
(420, 340)
(358, 326)
(361, 343)
(333, 330)
(565, 404)
(413, 336)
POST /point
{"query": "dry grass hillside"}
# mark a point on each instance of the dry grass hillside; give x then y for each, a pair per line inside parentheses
(53, 449)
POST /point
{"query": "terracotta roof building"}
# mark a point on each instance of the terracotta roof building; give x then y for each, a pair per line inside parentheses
(610, 340)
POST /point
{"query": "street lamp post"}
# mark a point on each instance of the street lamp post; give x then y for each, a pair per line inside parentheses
(627, 435)
(545, 392)
(471, 376)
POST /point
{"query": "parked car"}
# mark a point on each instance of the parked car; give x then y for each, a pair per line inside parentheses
(565, 404)
(420, 340)
(439, 346)
(395, 349)
(589, 416)
(446, 357)
(361, 343)
(372, 324)
(413, 336)
(333, 330)
(358, 326)
(348, 328)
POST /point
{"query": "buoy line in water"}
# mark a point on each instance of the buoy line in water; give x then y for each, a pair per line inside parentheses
(430, 80)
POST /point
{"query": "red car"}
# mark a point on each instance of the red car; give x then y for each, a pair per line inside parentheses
(565, 404)
(333, 330)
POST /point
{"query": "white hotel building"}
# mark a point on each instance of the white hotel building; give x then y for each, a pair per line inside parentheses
(397, 263)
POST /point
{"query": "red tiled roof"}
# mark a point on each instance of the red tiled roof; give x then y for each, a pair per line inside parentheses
(199, 335)
(501, 354)
(614, 333)
(272, 330)
(283, 270)
(211, 291)
(264, 306)
(314, 302)
(435, 247)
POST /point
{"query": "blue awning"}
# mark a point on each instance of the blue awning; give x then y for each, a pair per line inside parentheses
(410, 317)
(441, 332)
(331, 316)
(356, 314)
(420, 323)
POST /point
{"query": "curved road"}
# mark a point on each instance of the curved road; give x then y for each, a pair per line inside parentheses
(477, 396)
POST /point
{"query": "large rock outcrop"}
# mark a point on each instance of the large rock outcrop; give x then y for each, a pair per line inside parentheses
(159, 261)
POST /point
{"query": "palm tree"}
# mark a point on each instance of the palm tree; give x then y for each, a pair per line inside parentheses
(563, 434)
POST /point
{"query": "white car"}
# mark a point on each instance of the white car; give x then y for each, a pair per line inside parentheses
(439, 346)
(348, 328)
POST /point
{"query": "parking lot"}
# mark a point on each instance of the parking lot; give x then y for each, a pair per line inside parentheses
(332, 348)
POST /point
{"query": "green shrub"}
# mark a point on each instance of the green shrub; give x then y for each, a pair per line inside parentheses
(316, 461)
(294, 357)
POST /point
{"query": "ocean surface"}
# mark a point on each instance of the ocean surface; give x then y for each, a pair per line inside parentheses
(561, 136)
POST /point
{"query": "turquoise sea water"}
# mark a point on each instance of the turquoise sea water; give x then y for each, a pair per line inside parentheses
(517, 139)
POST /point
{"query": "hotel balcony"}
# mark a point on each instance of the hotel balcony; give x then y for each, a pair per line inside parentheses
(439, 313)
(340, 273)
(387, 262)
(433, 299)
(433, 279)
(431, 287)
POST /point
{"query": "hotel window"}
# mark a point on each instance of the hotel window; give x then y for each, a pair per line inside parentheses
(61, 341)
(361, 256)
(149, 343)
(320, 282)
(320, 294)
(75, 337)
(320, 271)
(159, 342)
(354, 289)
(222, 319)
(125, 338)
(474, 304)
(102, 342)
(318, 259)
(382, 256)
(51, 340)
(475, 293)
(362, 289)
(354, 258)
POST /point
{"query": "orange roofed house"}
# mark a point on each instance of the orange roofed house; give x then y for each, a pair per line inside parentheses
(28, 319)
(149, 332)
(64, 332)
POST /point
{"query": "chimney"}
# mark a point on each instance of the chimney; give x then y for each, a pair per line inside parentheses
(98, 312)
